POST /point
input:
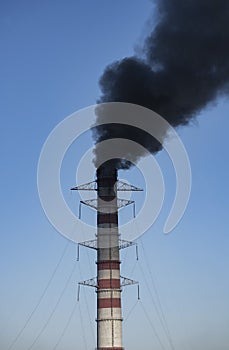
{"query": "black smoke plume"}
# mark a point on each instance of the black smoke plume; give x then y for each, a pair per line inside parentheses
(183, 67)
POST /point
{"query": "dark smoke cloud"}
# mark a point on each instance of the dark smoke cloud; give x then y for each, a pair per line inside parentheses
(184, 66)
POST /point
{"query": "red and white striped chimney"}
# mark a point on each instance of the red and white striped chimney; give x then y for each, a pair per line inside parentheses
(109, 312)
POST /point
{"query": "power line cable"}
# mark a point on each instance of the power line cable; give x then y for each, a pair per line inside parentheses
(89, 262)
(152, 326)
(54, 309)
(40, 299)
(82, 327)
(72, 314)
(89, 315)
(131, 310)
(152, 298)
(155, 306)
(65, 328)
(161, 311)
(158, 308)
(86, 302)
(133, 268)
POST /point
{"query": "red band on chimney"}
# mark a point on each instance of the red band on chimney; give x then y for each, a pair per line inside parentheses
(109, 283)
(104, 303)
(108, 265)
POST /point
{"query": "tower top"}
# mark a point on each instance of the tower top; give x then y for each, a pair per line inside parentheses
(106, 170)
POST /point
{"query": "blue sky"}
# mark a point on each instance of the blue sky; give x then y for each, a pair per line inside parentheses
(53, 53)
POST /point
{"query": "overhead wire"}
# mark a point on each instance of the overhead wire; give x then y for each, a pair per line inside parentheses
(157, 305)
(89, 262)
(82, 327)
(131, 310)
(159, 308)
(87, 307)
(40, 298)
(154, 304)
(133, 268)
(89, 315)
(152, 326)
(54, 309)
(65, 327)
(124, 259)
(145, 312)
(85, 297)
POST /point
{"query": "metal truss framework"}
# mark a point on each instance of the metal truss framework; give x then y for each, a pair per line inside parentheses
(93, 203)
(92, 186)
(92, 282)
(92, 244)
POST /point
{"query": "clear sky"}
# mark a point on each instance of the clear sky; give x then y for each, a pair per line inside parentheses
(52, 54)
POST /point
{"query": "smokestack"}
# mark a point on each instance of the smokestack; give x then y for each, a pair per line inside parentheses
(109, 313)
(183, 66)
(108, 243)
